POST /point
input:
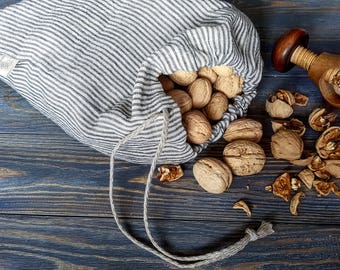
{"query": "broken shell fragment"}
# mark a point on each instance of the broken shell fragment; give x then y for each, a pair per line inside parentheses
(323, 187)
(282, 186)
(328, 144)
(307, 177)
(294, 203)
(242, 205)
(293, 124)
(169, 173)
(320, 119)
(300, 100)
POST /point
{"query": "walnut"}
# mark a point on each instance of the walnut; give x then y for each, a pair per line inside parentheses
(216, 107)
(286, 144)
(197, 126)
(207, 73)
(328, 144)
(223, 70)
(300, 100)
(212, 175)
(169, 173)
(282, 186)
(307, 177)
(200, 91)
(293, 124)
(242, 205)
(294, 203)
(277, 108)
(230, 85)
(320, 119)
(323, 187)
(183, 78)
(335, 189)
(244, 129)
(182, 99)
(244, 157)
(166, 83)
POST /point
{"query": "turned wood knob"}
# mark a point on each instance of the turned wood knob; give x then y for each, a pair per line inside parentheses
(286, 45)
(289, 50)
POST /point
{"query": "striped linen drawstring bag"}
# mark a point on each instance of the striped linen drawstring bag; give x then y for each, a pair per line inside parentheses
(92, 67)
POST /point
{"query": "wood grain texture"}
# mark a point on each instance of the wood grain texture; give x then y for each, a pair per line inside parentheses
(91, 243)
(54, 207)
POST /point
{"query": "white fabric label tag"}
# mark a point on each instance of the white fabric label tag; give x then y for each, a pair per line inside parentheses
(7, 64)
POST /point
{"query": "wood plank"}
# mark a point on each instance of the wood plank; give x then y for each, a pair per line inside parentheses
(32, 243)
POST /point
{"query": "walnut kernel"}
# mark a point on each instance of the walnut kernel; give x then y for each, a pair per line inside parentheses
(169, 173)
(320, 119)
(328, 144)
(282, 186)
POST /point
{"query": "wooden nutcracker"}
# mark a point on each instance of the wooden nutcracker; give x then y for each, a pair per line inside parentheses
(323, 69)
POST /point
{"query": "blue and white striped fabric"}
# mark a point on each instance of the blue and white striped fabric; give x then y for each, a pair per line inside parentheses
(92, 66)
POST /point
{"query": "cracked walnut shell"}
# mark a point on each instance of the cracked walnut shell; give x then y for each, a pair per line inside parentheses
(244, 157)
(286, 144)
(244, 129)
(293, 124)
(320, 119)
(328, 144)
(212, 174)
(294, 203)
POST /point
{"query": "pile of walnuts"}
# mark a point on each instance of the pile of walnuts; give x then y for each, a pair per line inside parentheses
(202, 97)
(286, 143)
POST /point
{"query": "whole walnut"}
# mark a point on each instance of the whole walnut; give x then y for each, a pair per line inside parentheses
(244, 129)
(197, 126)
(182, 99)
(212, 174)
(207, 73)
(166, 83)
(200, 91)
(286, 144)
(216, 107)
(183, 78)
(244, 157)
(231, 85)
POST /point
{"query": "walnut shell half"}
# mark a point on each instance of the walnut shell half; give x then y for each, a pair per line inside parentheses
(328, 144)
(320, 119)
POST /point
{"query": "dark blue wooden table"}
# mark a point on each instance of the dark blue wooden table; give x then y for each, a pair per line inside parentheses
(54, 206)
